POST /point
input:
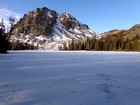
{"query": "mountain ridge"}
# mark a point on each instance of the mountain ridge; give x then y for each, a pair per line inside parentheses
(48, 30)
(130, 33)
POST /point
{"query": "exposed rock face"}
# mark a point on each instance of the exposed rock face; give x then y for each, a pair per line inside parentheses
(70, 22)
(37, 22)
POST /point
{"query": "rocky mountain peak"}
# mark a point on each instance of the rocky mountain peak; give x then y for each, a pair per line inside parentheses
(37, 22)
(47, 29)
(71, 22)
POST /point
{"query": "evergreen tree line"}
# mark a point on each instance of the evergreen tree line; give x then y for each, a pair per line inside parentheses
(6, 44)
(20, 46)
(108, 43)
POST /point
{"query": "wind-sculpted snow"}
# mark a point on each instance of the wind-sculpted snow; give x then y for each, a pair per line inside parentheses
(69, 78)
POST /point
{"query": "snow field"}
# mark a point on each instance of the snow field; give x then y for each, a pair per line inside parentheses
(69, 78)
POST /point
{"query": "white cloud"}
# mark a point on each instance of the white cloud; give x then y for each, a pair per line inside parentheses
(6, 13)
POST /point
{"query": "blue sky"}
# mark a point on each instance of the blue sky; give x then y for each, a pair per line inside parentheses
(100, 15)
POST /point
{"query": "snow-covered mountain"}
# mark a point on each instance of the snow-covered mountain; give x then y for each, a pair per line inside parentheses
(48, 30)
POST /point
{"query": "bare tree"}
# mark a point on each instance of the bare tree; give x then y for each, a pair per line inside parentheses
(2, 26)
(11, 21)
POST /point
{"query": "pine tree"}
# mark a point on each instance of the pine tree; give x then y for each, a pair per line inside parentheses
(128, 45)
(3, 39)
(65, 46)
(135, 45)
(87, 43)
(3, 42)
(72, 45)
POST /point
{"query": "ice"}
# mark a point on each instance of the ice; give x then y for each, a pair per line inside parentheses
(69, 78)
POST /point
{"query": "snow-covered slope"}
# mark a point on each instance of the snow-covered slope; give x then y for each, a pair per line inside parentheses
(48, 30)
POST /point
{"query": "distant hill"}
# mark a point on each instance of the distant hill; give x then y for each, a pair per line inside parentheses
(124, 39)
(130, 33)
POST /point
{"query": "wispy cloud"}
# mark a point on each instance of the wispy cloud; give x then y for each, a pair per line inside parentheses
(5, 13)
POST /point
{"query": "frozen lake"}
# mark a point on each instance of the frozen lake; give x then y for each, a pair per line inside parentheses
(70, 78)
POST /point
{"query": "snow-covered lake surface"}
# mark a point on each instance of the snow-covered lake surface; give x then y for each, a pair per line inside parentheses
(70, 78)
